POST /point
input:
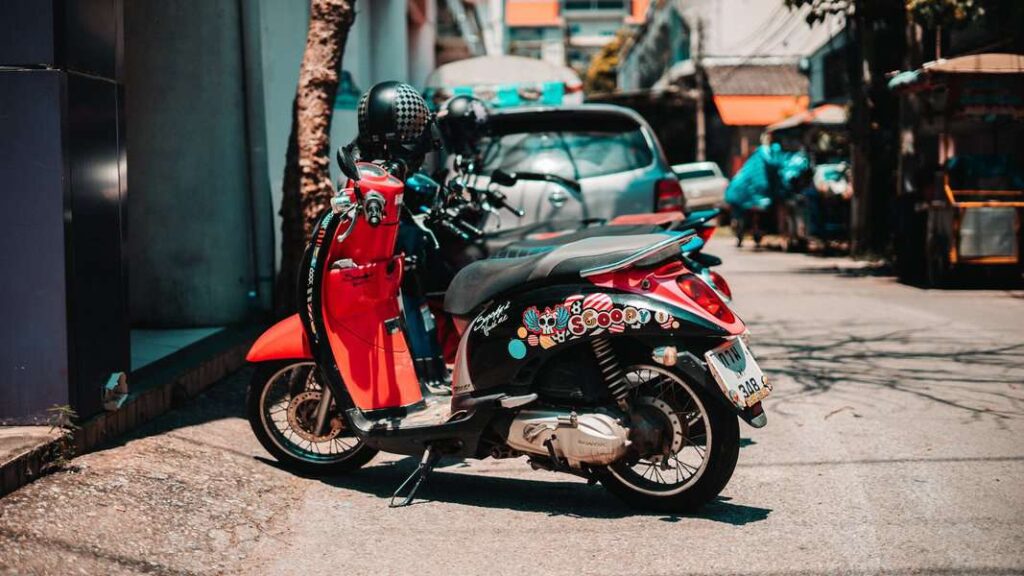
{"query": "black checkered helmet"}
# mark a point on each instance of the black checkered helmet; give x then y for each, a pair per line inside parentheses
(394, 123)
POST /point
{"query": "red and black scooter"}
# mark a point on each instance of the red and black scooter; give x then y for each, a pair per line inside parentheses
(605, 357)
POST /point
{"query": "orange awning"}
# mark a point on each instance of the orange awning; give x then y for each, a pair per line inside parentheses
(539, 13)
(748, 110)
(639, 12)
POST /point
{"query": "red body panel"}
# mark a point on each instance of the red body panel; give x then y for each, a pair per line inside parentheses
(285, 340)
(374, 361)
(361, 302)
(662, 286)
(652, 218)
(359, 308)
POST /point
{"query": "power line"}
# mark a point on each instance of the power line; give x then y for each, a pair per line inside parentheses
(791, 23)
(759, 31)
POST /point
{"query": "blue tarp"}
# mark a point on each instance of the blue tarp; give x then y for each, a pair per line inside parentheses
(768, 175)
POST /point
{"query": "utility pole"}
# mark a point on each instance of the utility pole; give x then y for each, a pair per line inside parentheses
(699, 78)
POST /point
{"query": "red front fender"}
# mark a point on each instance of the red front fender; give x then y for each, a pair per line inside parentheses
(285, 340)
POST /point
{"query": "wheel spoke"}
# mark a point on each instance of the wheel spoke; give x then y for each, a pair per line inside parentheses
(660, 391)
(287, 403)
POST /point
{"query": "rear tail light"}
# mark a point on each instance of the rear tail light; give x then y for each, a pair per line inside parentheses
(668, 195)
(721, 284)
(705, 297)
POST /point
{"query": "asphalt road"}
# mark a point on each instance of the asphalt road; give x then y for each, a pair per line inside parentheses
(893, 446)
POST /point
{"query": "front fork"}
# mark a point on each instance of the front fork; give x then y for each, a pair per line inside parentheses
(323, 410)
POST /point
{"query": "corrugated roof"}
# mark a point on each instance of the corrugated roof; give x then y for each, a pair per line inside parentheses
(757, 80)
(824, 115)
(994, 63)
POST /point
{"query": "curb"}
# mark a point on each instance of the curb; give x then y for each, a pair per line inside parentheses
(159, 388)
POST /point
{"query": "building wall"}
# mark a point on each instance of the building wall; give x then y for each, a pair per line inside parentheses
(189, 219)
(210, 87)
(62, 167)
(540, 28)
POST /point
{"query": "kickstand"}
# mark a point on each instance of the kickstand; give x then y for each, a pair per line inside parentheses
(430, 458)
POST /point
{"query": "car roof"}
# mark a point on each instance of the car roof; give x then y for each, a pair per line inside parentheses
(508, 117)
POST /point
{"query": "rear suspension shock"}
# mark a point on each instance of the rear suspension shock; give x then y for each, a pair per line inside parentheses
(608, 362)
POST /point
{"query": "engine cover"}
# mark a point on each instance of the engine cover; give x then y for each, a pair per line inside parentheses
(588, 438)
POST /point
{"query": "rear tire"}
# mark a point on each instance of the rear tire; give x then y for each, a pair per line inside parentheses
(721, 445)
(287, 446)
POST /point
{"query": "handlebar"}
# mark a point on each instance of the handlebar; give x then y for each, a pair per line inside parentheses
(503, 178)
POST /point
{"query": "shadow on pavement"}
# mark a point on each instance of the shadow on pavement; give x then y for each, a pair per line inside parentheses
(855, 359)
(871, 270)
(572, 498)
(225, 399)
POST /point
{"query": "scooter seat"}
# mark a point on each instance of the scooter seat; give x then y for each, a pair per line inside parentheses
(532, 246)
(486, 279)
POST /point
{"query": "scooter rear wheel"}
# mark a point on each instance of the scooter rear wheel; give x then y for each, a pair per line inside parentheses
(282, 404)
(702, 439)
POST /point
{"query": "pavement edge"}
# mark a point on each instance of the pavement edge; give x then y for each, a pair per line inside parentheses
(155, 390)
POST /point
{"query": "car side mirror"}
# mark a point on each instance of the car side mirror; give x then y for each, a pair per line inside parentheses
(347, 163)
(502, 178)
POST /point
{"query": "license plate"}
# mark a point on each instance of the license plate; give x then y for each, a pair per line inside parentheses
(738, 374)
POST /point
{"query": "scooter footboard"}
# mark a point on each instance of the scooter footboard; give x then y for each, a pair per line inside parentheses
(459, 435)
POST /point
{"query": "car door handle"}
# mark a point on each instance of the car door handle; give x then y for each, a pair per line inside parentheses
(558, 198)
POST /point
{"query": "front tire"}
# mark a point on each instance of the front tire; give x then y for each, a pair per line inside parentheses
(679, 484)
(281, 403)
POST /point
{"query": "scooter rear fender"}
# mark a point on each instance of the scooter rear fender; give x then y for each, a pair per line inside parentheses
(285, 340)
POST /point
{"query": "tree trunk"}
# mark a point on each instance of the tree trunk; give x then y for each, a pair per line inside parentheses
(307, 187)
(879, 26)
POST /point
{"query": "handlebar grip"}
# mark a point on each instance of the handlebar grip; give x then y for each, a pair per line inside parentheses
(472, 230)
(498, 199)
(453, 229)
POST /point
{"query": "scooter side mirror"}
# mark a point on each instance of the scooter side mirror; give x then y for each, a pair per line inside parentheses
(347, 163)
(502, 178)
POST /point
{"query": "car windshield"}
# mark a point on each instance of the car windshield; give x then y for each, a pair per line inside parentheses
(571, 154)
(694, 174)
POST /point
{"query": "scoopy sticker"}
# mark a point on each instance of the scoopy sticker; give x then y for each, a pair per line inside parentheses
(578, 316)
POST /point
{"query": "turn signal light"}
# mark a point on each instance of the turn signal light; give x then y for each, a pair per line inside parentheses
(705, 297)
(668, 195)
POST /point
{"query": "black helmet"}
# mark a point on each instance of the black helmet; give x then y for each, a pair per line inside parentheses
(463, 122)
(394, 123)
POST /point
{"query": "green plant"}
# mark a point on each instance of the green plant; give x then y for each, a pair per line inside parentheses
(601, 75)
(932, 13)
(928, 13)
(62, 417)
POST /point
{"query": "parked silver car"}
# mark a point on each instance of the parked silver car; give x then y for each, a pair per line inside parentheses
(703, 184)
(611, 151)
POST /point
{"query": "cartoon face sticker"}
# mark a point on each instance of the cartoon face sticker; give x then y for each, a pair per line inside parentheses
(580, 315)
(550, 321)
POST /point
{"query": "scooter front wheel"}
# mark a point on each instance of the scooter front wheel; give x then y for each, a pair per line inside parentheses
(284, 405)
